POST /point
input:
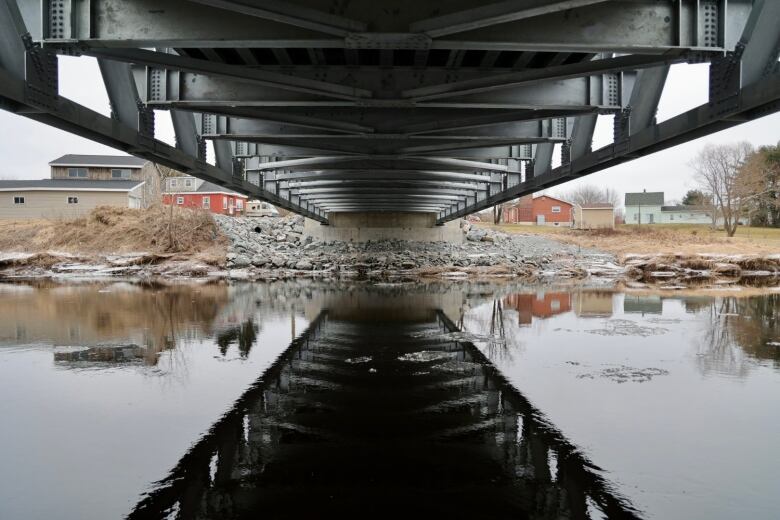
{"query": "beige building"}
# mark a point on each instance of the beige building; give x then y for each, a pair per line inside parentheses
(77, 167)
(55, 198)
(593, 216)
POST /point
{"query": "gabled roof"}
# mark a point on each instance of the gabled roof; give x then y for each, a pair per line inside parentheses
(205, 187)
(108, 161)
(554, 198)
(210, 187)
(645, 198)
(596, 205)
(68, 185)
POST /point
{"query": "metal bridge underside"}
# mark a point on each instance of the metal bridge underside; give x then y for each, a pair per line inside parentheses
(450, 107)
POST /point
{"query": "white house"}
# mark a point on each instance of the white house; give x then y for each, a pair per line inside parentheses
(648, 208)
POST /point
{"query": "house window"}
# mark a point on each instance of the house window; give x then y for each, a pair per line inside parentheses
(18, 200)
(239, 204)
(73, 200)
(188, 183)
(120, 173)
(224, 202)
(172, 183)
(556, 209)
(77, 173)
(179, 200)
(207, 202)
(636, 217)
(671, 217)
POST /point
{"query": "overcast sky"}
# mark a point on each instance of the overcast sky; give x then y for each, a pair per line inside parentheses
(28, 146)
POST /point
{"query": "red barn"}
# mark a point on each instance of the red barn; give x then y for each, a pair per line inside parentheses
(191, 192)
(543, 210)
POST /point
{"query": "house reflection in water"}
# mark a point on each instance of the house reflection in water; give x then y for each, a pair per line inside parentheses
(593, 303)
(545, 304)
(643, 304)
(539, 304)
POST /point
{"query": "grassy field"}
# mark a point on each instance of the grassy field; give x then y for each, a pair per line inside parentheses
(659, 238)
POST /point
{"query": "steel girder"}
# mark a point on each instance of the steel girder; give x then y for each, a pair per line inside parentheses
(643, 26)
(449, 111)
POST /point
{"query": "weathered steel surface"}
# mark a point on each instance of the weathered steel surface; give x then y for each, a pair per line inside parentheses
(450, 108)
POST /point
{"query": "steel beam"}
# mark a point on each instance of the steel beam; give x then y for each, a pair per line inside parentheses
(493, 14)
(604, 26)
(291, 14)
(754, 101)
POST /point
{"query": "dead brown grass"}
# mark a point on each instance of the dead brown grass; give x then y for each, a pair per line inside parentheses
(658, 239)
(108, 229)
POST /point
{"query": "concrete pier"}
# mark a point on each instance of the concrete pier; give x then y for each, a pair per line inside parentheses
(365, 226)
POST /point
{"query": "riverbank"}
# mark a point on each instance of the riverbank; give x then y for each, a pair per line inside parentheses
(186, 244)
(179, 243)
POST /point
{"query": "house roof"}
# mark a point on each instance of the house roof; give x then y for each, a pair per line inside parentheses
(598, 205)
(68, 185)
(123, 161)
(554, 198)
(206, 187)
(645, 198)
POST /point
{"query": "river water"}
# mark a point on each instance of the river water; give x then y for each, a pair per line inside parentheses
(458, 400)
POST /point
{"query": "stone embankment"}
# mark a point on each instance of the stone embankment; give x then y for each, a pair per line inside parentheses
(267, 248)
(683, 270)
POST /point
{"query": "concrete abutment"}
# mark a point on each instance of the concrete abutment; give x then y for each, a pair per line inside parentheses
(374, 226)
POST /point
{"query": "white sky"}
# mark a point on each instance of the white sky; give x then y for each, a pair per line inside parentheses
(28, 146)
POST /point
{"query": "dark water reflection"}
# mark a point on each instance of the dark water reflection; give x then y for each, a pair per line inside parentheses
(438, 400)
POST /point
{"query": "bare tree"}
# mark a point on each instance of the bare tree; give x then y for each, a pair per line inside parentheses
(761, 177)
(589, 194)
(718, 170)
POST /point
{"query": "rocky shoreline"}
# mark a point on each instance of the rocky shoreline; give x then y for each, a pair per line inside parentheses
(276, 249)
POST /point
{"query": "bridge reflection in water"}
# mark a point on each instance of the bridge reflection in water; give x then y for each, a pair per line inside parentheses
(369, 419)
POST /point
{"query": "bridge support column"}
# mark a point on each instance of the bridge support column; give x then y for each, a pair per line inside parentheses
(388, 225)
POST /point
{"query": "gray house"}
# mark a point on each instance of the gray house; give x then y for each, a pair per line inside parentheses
(644, 207)
(65, 198)
(649, 208)
(79, 167)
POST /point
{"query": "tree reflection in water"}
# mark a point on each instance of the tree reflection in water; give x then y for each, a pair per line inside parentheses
(739, 333)
(244, 335)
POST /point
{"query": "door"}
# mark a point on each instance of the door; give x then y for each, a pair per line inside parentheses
(650, 218)
(540, 220)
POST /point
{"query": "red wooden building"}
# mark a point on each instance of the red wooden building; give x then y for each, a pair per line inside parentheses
(191, 192)
(537, 305)
(543, 210)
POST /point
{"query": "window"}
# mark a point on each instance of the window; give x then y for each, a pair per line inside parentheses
(207, 202)
(77, 173)
(224, 202)
(188, 183)
(179, 200)
(73, 200)
(556, 209)
(636, 217)
(120, 174)
(172, 183)
(239, 204)
(671, 217)
(18, 200)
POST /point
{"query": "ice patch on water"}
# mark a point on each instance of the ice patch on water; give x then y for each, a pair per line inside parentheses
(358, 360)
(626, 374)
(425, 356)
